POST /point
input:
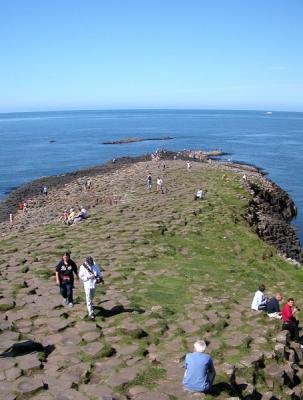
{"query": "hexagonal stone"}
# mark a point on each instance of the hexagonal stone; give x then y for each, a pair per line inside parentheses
(96, 391)
(153, 395)
(7, 339)
(27, 386)
(71, 394)
(188, 326)
(13, 373)
(6, 363)
(70, 339)
(91, 336)
(29, 363)
(125, 375)
(135, 390)
(58, 324)
(127, 350)
(92, 349)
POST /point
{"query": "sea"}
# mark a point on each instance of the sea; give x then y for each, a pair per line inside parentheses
(36, 144)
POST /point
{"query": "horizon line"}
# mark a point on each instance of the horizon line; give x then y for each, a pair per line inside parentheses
(146, 109)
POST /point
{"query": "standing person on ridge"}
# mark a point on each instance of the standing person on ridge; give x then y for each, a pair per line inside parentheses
(65, 271)
(90, 274)
(149, 182)
(160, 185)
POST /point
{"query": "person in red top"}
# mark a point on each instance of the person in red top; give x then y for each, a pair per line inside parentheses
(290, 322)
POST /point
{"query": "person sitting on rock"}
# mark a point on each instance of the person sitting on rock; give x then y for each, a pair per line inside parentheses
(199, 194)
(273, 306)
(199, 369)
(84, 212)
(259, 300)
(64, 217)
(79, 216)
(290, 322)
(90, 274)
(71, 217)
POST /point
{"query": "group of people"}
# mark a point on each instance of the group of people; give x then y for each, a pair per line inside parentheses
(89, 273)
(159, 182)
(288, 314)
(72, 216)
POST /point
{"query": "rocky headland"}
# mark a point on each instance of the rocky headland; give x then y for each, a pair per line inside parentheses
(175, 270)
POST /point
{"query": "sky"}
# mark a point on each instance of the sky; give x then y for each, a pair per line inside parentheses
(113, 54)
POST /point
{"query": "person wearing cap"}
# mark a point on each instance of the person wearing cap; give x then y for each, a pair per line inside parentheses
(90, 274)
(199, 369)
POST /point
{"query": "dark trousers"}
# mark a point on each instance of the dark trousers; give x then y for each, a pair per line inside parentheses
(292, 327)
(66, 291)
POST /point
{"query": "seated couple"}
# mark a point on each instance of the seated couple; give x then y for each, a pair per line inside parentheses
(74, 217)
(262, 303)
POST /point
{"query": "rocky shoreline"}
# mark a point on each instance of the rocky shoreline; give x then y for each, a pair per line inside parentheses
(269, 212)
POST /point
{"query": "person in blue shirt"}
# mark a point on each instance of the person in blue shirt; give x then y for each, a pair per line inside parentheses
(199, 369)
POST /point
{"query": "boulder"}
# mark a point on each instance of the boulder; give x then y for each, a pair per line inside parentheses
(283, 337)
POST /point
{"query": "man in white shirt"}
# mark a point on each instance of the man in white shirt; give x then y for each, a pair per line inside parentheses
(259, 300)
(160, 184)
(90, 274)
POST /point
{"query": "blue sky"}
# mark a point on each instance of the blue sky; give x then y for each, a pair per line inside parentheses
(75, 54)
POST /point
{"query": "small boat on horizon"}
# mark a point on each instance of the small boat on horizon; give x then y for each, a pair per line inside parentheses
(268, 112)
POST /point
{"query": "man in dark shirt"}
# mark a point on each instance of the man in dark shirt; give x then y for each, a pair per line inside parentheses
(65, 270)
(273, 306)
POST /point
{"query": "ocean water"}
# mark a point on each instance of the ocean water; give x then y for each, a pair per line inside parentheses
(271, 141)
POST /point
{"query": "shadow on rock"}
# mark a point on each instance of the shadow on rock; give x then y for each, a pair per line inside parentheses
(118, 309)
(27, 347)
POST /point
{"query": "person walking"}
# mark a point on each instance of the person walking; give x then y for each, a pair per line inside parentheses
(65, 271)
(149, 181)
(90, 275)
(160, 185)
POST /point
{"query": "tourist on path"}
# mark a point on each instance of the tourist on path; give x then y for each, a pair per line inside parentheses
(149, 182)
(90, 274)
(88, 184)
(199, 369)
(290, 322)
(259, 300)
(44, 190)
(65, 271)
(160, 185)
(273, 306)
